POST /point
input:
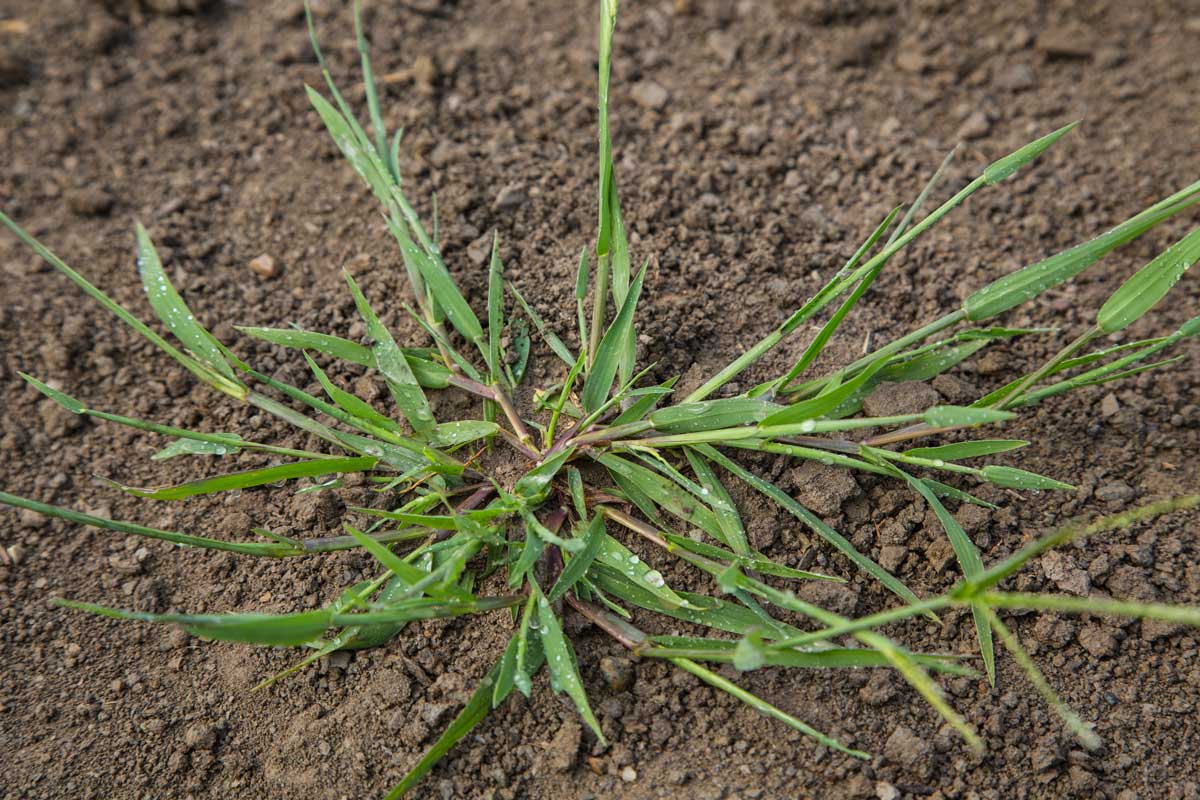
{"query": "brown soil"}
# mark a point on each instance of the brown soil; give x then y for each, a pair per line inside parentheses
(777, 134)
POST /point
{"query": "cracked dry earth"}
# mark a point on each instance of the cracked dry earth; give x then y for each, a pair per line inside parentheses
(757, 143)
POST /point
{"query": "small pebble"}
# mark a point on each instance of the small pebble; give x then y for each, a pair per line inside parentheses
(90, 202)
(649, 94)
(16, 553)
(1109, 405)
(629, 774)
(264, 266)
(510, 197)
(976, 126)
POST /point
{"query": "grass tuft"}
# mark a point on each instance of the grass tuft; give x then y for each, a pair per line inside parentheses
(658, 469)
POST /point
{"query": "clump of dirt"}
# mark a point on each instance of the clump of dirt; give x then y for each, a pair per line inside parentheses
(757, 144)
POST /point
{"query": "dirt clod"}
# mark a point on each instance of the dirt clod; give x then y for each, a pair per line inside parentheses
(649, 94)
(618, 673)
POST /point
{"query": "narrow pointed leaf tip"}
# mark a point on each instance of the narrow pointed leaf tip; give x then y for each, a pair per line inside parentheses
(171, 308)
(64, 400)
(1149, 284)
(961, 416)
(1013, 478)
(604, 369)
(1008, 166)
(1018, 287)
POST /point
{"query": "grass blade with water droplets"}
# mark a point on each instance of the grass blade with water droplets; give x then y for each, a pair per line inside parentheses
(1024, 284)
(391, 362)
(560, 660)
(172, 310)
(1149, 285)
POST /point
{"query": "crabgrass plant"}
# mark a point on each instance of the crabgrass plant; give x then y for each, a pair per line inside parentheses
(609, 457)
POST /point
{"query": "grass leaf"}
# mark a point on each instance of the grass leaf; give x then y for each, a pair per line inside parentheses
(172, 310)
(288, 630)
(964, 450)
(254, 477)
(391, 362)
(1024, 284)
(560, 660)
(1148, 285)
(604, 367)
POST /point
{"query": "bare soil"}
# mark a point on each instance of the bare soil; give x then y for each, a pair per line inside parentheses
(758, 143)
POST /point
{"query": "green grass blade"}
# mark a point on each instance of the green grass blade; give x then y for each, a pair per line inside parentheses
(270, 549)
(578, 564)
(1004, 168)
(381, 137)
(581, 282)
(1148, 285)
(200, 370)
(391, 362)
(495, 312)
(633, 570)
(530, 551)
(426, 608)
(528, 644)
(720, 502)
(1069, 533)
(817, 345)
(353, 144)
(644, 404)
(560, 659)
(964, 416)
(699, 609)
(964, 450)
(621, 273)
(452, 434)
(712, 414)
(604, 367)
(402, 569)
(447, 296)
(1184, 615)
(814, 523)
(1011, 643)
(664, 493)
(1024, 284)
(283, 630)
(608, 23)
(555, 343)
(972, 566)
(254, 477)
(221, 443)
(763, 707)
(335, 346)
(1013, 478)
(825, 402)
(472, 714)
(348, 402)
(172, 310)
(1111, 371)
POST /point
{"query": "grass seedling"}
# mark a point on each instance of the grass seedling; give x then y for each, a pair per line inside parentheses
(463, 542)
